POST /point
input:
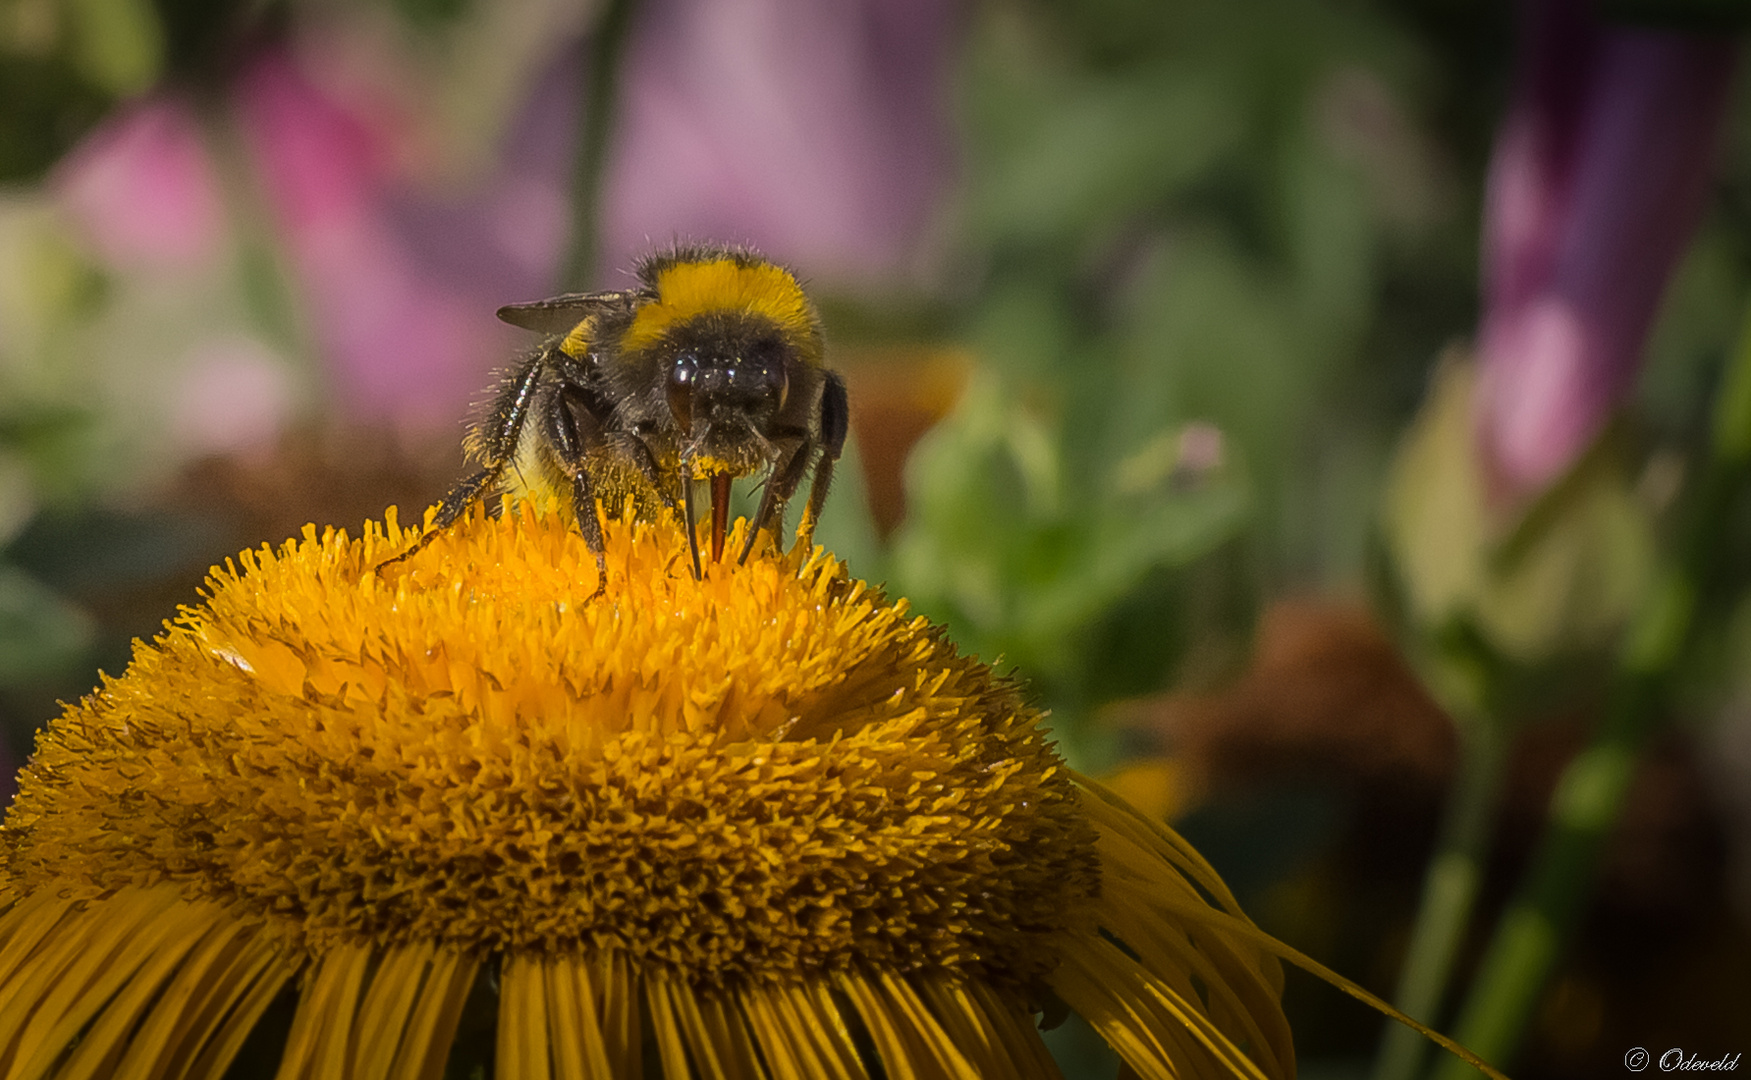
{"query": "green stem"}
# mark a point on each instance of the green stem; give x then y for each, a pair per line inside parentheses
(1449, 893)
(601, 93)
(1590, 795)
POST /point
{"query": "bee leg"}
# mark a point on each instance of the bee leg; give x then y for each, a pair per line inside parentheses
(494, 442)
(780, 486)
(805, 529)
(457, 500)
(835, 424)
(567, 438)
(590, 524)
(646, 459)
(687, 517)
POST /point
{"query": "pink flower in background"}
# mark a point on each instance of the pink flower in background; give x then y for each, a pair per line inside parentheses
(235, 398)
(401, 345)
(1600, 173)
(321, 160)
(816, 131)
(142, 189)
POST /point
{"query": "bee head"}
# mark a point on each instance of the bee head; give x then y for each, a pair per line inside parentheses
(728, 378)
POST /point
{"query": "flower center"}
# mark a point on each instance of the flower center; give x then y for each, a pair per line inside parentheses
(770, 770)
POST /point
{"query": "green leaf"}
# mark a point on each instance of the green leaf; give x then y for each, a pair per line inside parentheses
(42, 636)
(1018, 560)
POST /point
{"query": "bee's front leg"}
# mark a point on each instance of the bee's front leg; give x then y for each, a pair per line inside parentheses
(780, 486)
(687, 516)
(636, 448)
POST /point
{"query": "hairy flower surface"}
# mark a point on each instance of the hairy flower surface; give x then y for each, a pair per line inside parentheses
(763, 824)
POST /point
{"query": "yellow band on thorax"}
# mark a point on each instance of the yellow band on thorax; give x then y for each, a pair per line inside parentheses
(689, 289)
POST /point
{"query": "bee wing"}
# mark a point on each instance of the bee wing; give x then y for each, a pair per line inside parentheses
(560, 313)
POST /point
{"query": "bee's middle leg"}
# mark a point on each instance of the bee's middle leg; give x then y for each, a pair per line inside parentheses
(805, 529)
(590, 524)
(780, 486)
(568, 444)
(835, 426)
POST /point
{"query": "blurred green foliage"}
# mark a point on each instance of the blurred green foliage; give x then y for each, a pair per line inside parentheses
(65, 63)
(1180, 219)
(62, 63)
(1529, 597)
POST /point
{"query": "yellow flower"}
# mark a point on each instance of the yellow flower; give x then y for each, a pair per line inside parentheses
(765, 824)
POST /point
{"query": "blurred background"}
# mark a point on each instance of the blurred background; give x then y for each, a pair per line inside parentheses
(1309, 399)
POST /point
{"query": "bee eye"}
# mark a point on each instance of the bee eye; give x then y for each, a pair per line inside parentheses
(766, 375)
(679, 390)
(778, 381)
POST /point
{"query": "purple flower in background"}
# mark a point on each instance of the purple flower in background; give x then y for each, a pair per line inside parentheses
(815, 131)
(1599, 175)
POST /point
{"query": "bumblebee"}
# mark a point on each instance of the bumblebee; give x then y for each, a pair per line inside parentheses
(711, 369)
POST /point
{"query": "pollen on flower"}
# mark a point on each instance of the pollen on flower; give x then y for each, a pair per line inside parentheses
(763, 772)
